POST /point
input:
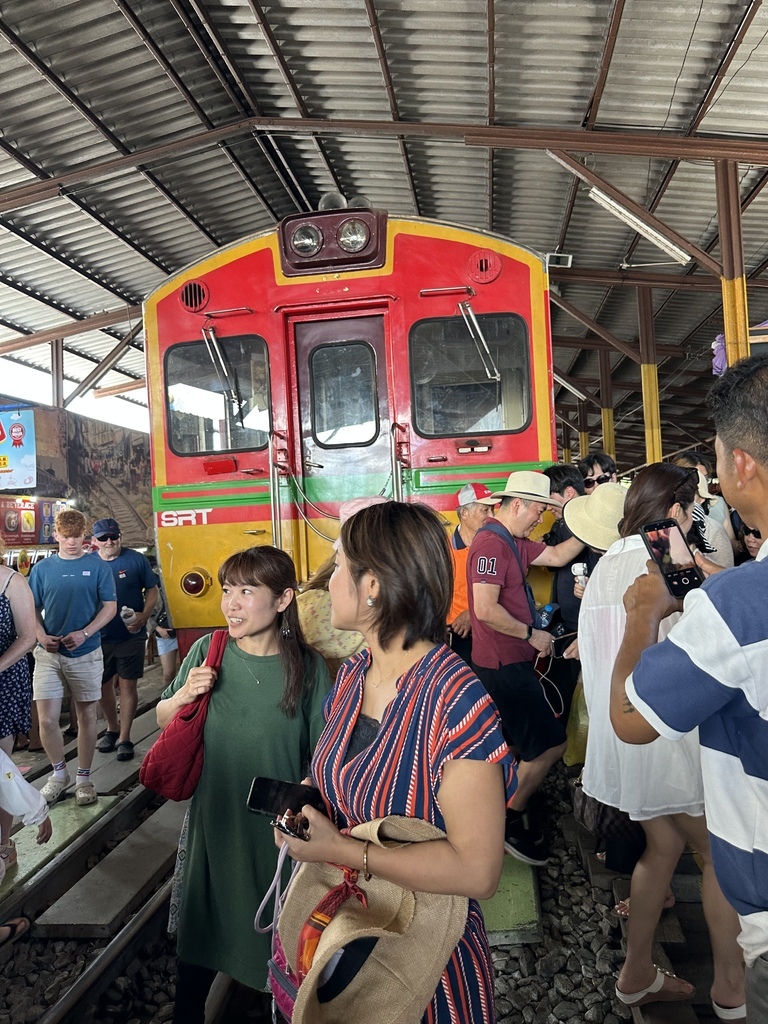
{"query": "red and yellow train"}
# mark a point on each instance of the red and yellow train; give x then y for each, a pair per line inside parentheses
(344, 353)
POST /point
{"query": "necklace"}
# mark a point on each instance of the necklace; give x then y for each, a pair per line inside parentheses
(393, 674)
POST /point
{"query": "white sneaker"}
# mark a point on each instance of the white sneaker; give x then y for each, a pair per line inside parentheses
(54, 788)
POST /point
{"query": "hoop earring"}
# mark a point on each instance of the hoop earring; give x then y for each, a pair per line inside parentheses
(370, 602)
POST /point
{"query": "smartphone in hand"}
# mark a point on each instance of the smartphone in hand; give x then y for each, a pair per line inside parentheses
(669, 549)
(283, 801)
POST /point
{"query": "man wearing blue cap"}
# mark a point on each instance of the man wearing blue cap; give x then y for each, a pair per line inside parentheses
(124, 639)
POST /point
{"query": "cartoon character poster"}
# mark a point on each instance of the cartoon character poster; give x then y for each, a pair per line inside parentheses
(18, 462)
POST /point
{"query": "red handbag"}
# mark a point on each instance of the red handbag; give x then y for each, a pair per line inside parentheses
(173, 764)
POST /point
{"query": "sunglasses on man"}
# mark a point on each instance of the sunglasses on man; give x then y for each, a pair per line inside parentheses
(604, 478)
(108, 536)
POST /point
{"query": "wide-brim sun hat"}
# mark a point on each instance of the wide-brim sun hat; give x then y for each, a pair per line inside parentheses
(528, 485)
(416, 934)
(594, 518)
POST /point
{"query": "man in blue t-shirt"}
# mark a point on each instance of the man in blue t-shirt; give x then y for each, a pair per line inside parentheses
(711, 672)
(123, 641)
(74, 598)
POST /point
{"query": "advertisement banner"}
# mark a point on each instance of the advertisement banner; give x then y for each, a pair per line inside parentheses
(18, 464)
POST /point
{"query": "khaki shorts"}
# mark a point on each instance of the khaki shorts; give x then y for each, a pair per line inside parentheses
(82, 675)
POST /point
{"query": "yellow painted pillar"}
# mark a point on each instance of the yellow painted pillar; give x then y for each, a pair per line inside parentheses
(649, 379)
(583, 422)
(566, 456)
(609, 434)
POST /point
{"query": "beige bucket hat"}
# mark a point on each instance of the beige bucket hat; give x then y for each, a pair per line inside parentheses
(594, 518)
(529, 485)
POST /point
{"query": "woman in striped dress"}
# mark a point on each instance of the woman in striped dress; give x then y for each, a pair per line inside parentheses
(411, 731)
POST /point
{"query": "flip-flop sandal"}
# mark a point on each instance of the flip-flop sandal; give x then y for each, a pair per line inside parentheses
(622, 907)
(732, 1013)
(18, 926)
(655, 992)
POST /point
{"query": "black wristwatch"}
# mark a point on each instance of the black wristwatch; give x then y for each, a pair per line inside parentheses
(529, 634)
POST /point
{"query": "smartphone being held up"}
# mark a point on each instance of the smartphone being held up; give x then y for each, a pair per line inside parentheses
(283, 801)
(669, 549)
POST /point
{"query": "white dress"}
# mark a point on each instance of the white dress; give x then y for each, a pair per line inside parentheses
(646, 781)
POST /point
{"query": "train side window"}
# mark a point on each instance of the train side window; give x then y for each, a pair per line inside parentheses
(213, 408)
(345, 404)
(452, 391)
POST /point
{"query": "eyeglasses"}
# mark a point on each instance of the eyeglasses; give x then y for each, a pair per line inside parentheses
(752, 533)
(604, 478)
(108, 536)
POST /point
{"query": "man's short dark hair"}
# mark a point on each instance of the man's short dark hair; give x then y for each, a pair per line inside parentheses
(601, 459)
(738, 404)
(563, 475)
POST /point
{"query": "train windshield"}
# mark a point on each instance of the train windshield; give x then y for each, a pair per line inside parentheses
(469, 380)
(218, 395)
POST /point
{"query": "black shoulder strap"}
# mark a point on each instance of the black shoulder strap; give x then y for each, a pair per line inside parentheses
(506, 536)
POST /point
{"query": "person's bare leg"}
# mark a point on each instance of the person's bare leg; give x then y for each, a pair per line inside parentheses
(129, 701)
(109, 704)
(648, 889)
(49, 713)
(6, 819)
(86, 736)
(170, 664)
(34, 732)
(722, 920)
(531, 774)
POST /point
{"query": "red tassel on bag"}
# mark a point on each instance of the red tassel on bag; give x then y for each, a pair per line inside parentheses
(174, 763)
(321, 917)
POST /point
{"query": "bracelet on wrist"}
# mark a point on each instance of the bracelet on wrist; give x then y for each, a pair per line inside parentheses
(529, 634)
(85, 633)
(366, 872)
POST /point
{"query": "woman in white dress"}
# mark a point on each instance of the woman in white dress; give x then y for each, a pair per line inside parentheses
(658, 784)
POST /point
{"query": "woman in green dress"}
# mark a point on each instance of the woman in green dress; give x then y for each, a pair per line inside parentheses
(264, 717)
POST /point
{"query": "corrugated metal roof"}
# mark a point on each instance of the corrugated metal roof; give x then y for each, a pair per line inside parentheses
(89, 80)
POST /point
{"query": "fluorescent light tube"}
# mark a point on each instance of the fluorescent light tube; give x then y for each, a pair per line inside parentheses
(674, 251)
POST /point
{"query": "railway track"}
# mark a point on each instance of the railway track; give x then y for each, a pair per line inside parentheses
(133, 527)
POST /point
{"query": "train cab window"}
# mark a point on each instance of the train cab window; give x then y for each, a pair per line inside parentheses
(218, 404)
(345, 406)
(459, 386)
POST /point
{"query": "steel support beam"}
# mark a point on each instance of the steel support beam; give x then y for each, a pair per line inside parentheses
(583, 421)
(621, 143)
(735, 317)
(70, 330)
(585, 321)
(640, 279)
(57, 372)
(606, 402)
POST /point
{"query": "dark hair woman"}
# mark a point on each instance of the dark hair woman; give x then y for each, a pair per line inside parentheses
(264, 717)
(411, 731)
(659, 784)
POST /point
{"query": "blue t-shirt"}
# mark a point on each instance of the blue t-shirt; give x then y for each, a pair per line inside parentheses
(133, 576)
(70, 592)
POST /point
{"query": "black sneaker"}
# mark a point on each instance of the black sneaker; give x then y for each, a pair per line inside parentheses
(526, 844)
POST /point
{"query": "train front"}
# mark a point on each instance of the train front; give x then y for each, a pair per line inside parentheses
(343, 354)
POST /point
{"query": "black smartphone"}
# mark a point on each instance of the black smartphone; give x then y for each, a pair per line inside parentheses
(275, 797)
(669, 549)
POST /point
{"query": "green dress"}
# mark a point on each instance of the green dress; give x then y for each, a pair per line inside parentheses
(231, 855)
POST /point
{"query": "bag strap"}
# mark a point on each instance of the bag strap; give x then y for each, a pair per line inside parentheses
(506, 536)
(216, 650)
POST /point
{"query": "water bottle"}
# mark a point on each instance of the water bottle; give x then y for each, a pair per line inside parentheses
(128, 615)
(545, 616)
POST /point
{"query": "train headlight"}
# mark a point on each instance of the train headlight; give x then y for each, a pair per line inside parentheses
(353, 235)
(307, 240)
(196, 582)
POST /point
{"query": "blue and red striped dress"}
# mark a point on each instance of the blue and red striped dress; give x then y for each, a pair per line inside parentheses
(441, 712)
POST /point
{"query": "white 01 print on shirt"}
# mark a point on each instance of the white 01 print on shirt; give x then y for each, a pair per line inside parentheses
(486, 566)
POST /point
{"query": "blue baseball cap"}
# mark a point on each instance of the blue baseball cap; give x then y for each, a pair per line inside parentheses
(105, 526)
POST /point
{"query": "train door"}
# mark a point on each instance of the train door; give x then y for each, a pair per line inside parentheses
(343, 447)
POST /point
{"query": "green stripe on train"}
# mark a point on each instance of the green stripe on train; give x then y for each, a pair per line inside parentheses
(417, 483)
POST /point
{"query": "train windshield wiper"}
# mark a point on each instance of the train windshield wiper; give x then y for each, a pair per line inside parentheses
(476, 334)
(227, 375)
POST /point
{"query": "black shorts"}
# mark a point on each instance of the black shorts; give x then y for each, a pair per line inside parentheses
(530, 726)
(125, 659)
